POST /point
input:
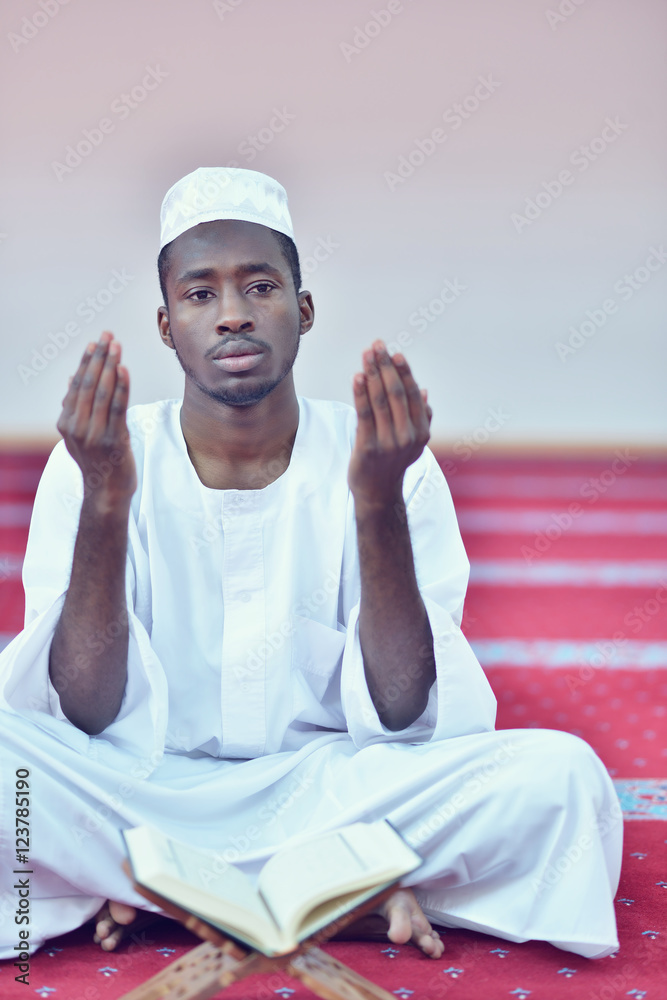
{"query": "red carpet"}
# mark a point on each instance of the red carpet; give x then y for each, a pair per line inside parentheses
(566, 610)
(474, 967)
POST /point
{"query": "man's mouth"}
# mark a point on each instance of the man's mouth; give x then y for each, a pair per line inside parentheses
(238, 357)
(238, 362)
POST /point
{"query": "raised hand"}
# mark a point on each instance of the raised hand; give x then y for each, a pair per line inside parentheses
(393, 427)
(93, 423)
(91, 681)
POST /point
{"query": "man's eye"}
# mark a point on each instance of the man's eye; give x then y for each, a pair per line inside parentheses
(199, 295)
(263, 287)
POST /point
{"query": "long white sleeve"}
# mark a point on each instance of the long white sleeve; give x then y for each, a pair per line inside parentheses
(25, 686)
(461, 701)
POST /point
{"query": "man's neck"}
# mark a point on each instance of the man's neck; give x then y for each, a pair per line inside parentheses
(240, 447)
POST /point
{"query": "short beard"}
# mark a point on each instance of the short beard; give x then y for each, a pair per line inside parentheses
(241, 396)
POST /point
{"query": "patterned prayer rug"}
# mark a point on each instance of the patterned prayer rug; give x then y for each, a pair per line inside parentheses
(566, 612)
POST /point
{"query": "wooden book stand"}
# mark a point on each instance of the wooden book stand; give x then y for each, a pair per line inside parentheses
(221, 961)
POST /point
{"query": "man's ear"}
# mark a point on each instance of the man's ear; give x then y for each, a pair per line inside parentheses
(163, 327)
(306, 311)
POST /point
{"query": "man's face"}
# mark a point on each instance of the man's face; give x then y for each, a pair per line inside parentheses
(229, 287)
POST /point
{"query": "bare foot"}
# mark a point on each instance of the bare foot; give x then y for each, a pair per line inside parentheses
(407, 922)
(115, 920)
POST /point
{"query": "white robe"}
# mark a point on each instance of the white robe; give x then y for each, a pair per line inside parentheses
(247, 718)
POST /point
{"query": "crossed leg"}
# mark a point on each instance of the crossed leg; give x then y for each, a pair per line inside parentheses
(401, 912)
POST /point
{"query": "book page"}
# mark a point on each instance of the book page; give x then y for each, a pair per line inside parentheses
(323, 914)
(202, 882)
(358, 857)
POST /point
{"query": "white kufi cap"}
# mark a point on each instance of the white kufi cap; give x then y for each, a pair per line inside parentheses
(211, 193)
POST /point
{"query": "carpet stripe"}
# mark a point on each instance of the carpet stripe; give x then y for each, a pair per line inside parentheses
(568, 487)
(554, 653)
(511, 572)
(15, 515)
(573, 573)
(10, 566)
(489, 520)
(589, 522)
(22, 480)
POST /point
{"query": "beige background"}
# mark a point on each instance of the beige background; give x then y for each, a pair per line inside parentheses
(351, 105)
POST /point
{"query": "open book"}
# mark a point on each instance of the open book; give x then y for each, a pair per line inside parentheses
(305, 886)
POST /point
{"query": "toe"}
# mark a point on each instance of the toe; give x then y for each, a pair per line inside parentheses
(431, 945)
(103, 924)
(111, 924)
(102, 929)
(109, 943)
(400, 927)
(408, 922)
(122, 914)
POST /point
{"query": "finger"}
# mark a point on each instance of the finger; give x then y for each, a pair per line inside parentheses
(396, 395)
(118, 405)
(416, 401)
(384, 428)
(69, 400)
(365, 422)
(429, 411)
(89, 382)
(104, 391)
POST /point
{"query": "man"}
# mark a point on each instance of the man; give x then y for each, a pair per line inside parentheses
(259, 635)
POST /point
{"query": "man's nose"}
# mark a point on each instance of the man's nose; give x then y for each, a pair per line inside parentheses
(233, 312)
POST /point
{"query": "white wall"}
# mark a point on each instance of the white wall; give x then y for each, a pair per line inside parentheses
(556, 78)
